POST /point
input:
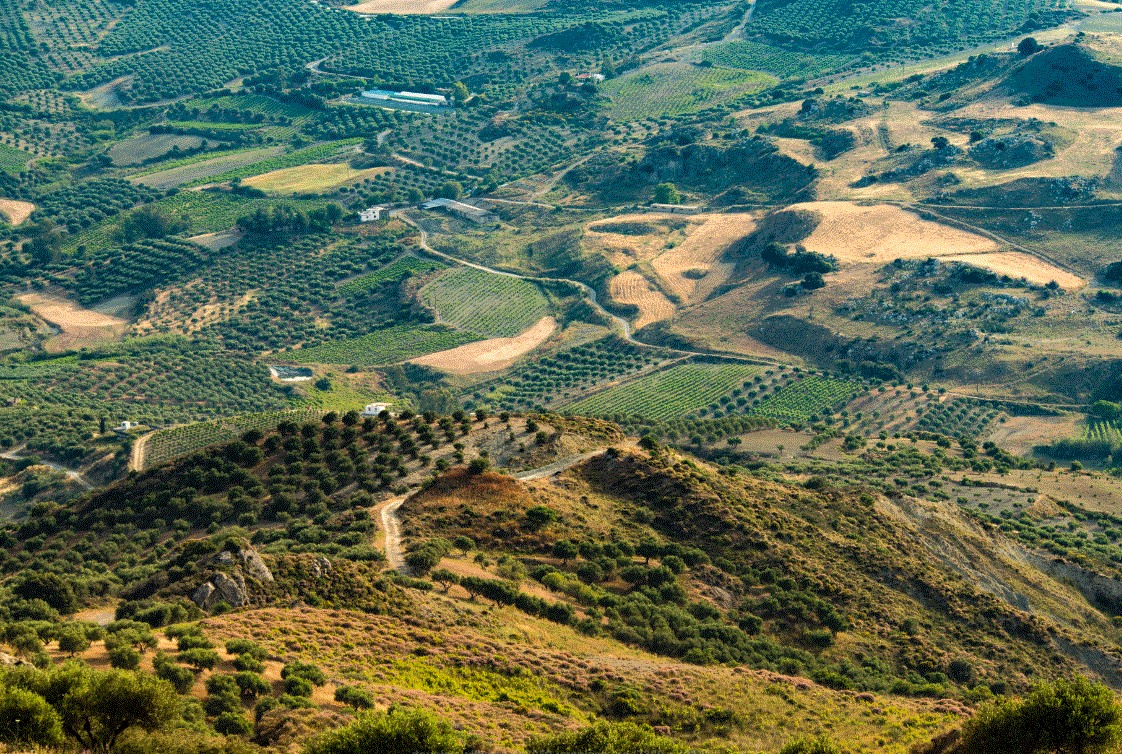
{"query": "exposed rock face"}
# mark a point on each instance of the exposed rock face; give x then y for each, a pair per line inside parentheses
(229, 583)
(7, 660)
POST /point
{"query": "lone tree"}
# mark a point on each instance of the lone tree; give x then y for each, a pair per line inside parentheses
(1028, 46)
(667, 193)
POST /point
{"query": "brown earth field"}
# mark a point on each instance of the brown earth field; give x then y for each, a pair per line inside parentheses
(490, 355)
(80, 327)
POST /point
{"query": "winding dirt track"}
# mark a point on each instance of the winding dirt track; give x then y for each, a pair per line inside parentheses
(390, 512)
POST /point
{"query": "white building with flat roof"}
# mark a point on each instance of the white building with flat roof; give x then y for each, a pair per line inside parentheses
(374, 409)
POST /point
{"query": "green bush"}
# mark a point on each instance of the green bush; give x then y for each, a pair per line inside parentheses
(233, 724)
(1063, 716)
(398, 731)
(354, 697)
(821, 745)
(27, 718)
(606, 738)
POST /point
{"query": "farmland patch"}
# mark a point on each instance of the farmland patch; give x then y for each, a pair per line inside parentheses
(493, 354)
(314, 178)
(401, 7)
(854, 234)
(494, 306)
(668, 89)
(77, 326)
(691, 269)
(632, 289)
(1018, 265)
(140, 149)
(389, 346)
(198, 170)
(679, 391)
(16, 211)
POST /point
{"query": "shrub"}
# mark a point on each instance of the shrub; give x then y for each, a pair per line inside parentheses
(246, 647)
(820, 745)
(394, 732)
(27, 718)
(181, 678)
(201, 659)
(606, 738)
(251, 684)
(297, 686)
(354, 697)
(1062, 716)
(233, 724)
(124, 657)
(249, 664)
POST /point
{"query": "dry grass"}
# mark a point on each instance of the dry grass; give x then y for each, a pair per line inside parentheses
(402, 7)
(16, 211)
(881, 233)
(691, 269)
(646, 238)
(312, 178)
(79, 327)
(492, 354)
(1020, 434)
(1018, 265)
(631, 288)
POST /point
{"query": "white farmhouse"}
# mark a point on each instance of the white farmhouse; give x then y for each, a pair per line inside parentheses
(374, 409)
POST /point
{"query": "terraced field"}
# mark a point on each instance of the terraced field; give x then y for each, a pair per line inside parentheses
(492, 306)
(201, 169)
(680, 390)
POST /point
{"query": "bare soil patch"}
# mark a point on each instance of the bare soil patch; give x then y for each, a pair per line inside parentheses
(79, 326)
(1019, 434)
(692, 268)
(881, 233)
(1018, 265)
(402, 7)
(490, 355)
(631, 288)
(216, 241)
(16, 211)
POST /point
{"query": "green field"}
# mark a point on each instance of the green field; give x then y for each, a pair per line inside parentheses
(314, 153)
(146, 147)
(203, 168)
(668, 89)
(806, 397)
(389, 346)
(391, 273)
(12, 160)
(493, 306)
(672, 393)
(757, 56)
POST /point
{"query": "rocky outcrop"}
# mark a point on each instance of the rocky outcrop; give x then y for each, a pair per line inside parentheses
(235, 576)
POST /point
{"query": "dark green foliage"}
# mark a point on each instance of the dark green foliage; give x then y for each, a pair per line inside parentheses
(49, 587)
(354, 696)
(1063, 716)
(97, 707)
(232, 723)
(181, 678)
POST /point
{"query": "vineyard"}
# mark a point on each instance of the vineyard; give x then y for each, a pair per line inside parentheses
(786, 64)
(491, 306)
(293, 159)
(200, 168)
(394, 272)
(677, 391)
(1104, 431)
(806, 398)
(12, 160)
(668, 89)
(165, 445)
(390, 346)
(564, 376)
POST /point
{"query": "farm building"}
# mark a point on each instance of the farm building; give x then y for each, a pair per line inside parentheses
(675, 209)
(416, 98)
(374, 409)
(371, 214)
(468, 211)
(124, 428)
